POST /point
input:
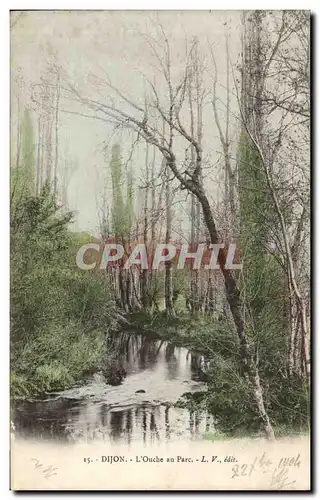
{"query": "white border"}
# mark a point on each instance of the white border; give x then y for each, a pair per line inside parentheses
(159, 5)
(4, 183)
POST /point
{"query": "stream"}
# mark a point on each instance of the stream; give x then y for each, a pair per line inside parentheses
(96, 411)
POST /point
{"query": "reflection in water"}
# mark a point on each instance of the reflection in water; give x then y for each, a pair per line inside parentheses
(116, 420)
(167, 422)
(144, 425)
(97, 411)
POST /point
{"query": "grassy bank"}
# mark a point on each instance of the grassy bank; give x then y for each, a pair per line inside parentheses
(57, 360)
(229, 397)
(202, 334)
(59, 313)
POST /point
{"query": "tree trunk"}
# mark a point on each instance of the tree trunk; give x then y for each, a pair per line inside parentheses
(38, 164)
(233, 298)
(168, 274)
(144, 272)
(56, 155)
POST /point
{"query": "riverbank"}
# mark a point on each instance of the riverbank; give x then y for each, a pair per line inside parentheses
(200, 334)
(211, 351)
(141, 408)
(59, 360)
(229, 396)
(65, 356)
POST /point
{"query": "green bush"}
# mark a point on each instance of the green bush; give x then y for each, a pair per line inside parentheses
(59, 313)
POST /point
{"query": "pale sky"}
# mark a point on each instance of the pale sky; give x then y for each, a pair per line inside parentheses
(114, 42)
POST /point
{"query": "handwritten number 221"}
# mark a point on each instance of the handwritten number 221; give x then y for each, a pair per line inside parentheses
(242, 470)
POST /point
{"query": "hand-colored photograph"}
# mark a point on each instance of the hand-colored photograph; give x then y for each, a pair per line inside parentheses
(160, 296)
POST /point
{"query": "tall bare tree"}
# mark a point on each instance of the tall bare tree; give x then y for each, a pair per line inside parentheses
(151, 133)
(276, 119)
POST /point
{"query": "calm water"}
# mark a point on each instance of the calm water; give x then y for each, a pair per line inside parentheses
(97, 411)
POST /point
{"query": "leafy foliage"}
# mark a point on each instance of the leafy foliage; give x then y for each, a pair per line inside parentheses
(58, 313)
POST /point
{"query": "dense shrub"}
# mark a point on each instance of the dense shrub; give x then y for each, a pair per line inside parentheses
(59, 313)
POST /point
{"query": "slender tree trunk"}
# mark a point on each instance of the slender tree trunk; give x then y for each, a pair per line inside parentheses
(18, 137)
(123, 291)
(41, 164)
(56, 155)
(233, 297)
(232, 294)
(254, 132)
(38, 164)
(210, 295)
(168, 271)
(152, 272)
(195, 98)
(144, 272)
(49, 150)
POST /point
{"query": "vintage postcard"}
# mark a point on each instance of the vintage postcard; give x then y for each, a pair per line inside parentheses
(160, 250)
